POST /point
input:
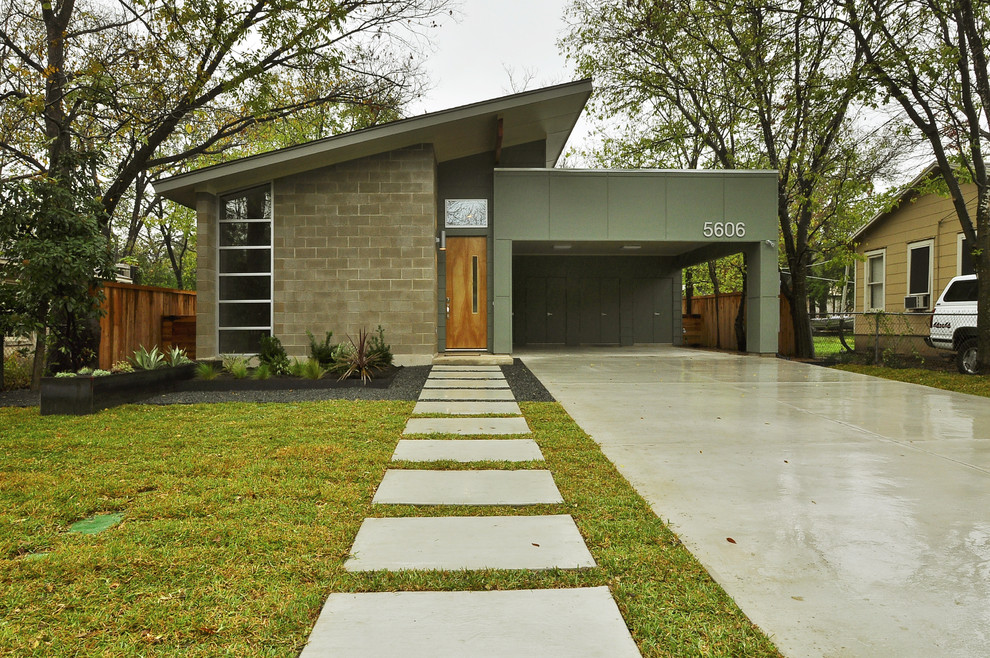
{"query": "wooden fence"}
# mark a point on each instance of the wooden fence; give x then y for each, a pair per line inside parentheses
(133, 317)
(723, 333)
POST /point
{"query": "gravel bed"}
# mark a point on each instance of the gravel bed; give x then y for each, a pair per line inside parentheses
(524, 384)
(20, 398)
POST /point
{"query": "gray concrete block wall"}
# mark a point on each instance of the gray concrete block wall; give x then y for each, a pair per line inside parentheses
(355, 248)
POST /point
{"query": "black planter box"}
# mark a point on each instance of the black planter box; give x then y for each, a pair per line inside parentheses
(81, 395)
(381, 379)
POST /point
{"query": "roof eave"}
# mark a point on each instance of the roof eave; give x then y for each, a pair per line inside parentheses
(560, 105)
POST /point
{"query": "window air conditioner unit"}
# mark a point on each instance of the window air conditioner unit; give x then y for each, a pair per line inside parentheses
(915, 302)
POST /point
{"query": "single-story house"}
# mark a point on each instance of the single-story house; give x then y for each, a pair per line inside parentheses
(911, 251)
(455, 233)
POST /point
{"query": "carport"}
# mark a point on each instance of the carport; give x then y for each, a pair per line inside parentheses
(594, 257)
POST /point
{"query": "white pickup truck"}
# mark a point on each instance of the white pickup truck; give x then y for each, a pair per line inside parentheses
(953, 324)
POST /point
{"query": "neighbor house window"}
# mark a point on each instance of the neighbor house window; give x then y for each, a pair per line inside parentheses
(920, 268)
(244, 298)
(874, 280)
(964, 259)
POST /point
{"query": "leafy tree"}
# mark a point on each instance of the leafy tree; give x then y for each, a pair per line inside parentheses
(739, 84)
(55, 252)
(930, 58)
(153, 83)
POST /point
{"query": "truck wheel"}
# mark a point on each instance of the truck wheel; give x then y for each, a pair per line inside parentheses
(966, 357)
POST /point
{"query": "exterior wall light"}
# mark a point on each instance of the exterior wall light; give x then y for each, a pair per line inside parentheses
(442, 241)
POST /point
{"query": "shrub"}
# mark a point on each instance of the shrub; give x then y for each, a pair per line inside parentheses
(273, 355)
(101, 373)
(67, 373)
(85, 371)
(145, 360)
(296, 367)
(207, 371)
(322, 352)
(312, 369)
(358, 360)
(379, 352)
(122, 366)
(263, 371)
(238, 367)
(16, 372)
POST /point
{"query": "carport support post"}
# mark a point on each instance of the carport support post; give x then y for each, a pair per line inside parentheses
(502, 307)
(762, 298)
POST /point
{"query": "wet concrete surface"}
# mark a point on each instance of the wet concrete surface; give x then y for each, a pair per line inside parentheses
(858, 507)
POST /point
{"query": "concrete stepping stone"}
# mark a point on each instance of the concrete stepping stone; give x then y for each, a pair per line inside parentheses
(499, 426)
(493, 487)
(469, 408)
(469, 542)
(465, 368)
(465, 375)
(550, 623)
(467, 450)
(466, 394)
(466, 383)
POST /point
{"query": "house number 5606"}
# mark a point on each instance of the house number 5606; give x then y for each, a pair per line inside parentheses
(724, 229)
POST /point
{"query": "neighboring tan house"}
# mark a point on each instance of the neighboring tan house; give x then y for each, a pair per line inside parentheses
(911, 251)
(454, 231)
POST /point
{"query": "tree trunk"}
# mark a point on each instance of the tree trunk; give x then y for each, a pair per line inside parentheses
(688, 290)
(981, 263)
(804, 345)
(713, 275)
(740, 323)
(38, 367)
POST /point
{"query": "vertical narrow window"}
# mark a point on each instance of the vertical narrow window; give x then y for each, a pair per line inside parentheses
(244, 272)
(874, 281)
(474, 284)
(964, 260)
(920, 271)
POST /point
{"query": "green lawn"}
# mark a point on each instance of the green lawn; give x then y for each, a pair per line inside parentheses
(238, 517)
(827, 345)
(949, 381)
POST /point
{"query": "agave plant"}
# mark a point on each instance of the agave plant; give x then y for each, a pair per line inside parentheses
(145, 360)
(177, 357)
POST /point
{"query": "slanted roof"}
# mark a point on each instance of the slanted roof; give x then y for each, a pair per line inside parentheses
(905, 194)
(542, 114)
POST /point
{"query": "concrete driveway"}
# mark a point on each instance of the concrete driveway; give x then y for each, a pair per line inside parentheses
(858, 506)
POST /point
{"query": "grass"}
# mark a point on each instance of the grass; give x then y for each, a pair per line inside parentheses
(827, 345)
(949, 381)
(238, 518)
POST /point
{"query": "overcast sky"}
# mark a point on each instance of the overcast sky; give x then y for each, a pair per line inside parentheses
(472, 51)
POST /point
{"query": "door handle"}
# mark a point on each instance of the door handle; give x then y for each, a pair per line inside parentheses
(549, 314)
(448, 307)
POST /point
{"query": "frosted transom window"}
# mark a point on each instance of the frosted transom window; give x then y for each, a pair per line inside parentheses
(466, 213)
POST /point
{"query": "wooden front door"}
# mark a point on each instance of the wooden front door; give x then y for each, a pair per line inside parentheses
(467, 293)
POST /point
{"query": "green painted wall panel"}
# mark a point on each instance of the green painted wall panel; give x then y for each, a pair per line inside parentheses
(692, 201)
(752, 200)
(579, 207)
(522, 205)
(637, 207)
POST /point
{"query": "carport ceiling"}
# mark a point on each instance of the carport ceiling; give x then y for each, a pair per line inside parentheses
(602, 248)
